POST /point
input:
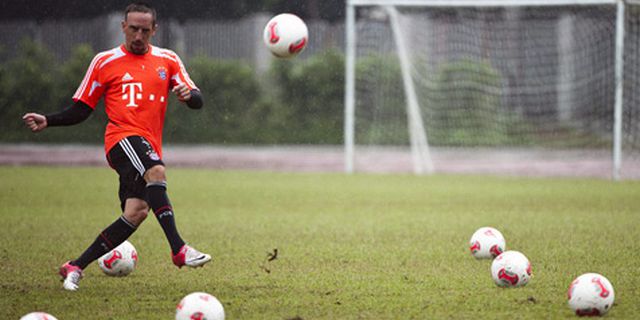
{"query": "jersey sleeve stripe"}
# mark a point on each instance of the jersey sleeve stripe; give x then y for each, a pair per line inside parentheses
(168, 54)
(163, 53)
(176, 78)
(117, 53)
(185, 74)
(87, 76)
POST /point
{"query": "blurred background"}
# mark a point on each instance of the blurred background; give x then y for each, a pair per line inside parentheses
(46, 46)
(527, 90)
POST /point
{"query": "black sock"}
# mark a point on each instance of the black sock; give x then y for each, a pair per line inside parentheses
(109, 238)
(159, 202)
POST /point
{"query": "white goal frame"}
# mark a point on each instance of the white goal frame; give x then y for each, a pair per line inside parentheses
(422, 163)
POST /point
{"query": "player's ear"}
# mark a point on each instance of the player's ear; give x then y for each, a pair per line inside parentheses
(124, 25)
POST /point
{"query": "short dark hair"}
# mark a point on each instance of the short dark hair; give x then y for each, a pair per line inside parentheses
(141, 6)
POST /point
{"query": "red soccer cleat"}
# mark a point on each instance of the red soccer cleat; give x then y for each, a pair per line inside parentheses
(71, 275)
(190, 257)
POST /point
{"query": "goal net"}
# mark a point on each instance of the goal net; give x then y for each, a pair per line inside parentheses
(510, 87)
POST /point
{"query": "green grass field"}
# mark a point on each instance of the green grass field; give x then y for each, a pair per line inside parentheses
(349, 247)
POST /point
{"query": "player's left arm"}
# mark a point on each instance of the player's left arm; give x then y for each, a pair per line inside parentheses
(183, 86)
(192, 97)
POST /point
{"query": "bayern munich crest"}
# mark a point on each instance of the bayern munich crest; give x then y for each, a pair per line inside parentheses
(162, 73)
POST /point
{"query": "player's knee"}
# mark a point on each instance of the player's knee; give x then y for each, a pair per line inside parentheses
(155, 174)
(135, 213)
(137, 216)
(142, 213)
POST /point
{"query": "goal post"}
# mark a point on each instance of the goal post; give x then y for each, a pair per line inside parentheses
(421, 156)
(617, 125)
(481, 76)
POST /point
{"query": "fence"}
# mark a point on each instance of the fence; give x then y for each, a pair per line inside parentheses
(228, 39)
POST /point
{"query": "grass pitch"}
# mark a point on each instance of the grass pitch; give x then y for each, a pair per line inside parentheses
(348, 247)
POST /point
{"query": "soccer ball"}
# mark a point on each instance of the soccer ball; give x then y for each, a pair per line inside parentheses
(38, 316)
(199, 306)
(511, 269)
(285, 35)
(486, 243)
(590, 294)
(120, 261)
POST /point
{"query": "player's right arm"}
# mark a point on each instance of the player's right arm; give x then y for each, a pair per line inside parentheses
(74, 114)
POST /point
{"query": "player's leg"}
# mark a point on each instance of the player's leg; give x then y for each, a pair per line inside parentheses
(152, 169)
(159, 201)
(134, 208)
(109, 238)
(156, 195)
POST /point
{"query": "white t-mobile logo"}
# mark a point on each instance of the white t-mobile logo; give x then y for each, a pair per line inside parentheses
(132, 91)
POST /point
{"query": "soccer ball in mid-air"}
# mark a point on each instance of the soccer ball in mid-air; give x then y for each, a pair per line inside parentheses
(511, 269)
(590, 294)
(199, 305)
(486, 243)
(286, 35)
(120, 261)
(38, 316)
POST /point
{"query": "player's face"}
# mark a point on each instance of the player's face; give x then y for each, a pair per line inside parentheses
(138, 29)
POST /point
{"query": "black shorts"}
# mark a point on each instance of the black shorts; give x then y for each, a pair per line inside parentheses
(131, 158)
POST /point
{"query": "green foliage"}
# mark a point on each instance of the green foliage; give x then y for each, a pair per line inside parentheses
(349, 246)
(298, 102)
(230, 91)
(69, 76)
(28, 83)
(71, 73)
(381, 112)
(467, 107)
(312, 92)
(34, 82)
(4, 98)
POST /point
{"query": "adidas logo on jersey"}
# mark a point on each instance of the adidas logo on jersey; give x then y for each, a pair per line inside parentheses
(127, 77)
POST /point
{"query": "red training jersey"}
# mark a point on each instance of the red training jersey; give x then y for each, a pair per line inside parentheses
(136, 89)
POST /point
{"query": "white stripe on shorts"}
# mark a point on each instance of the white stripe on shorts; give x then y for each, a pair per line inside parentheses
(131, 154)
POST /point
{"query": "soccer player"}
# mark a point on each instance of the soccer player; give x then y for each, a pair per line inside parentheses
(134, 79)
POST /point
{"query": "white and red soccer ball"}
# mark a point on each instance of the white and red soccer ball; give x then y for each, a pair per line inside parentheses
(487, 243)
(591, 294)
(286, 35)
(120, 261)
(38, 316)
(199, 306)
(511, 269)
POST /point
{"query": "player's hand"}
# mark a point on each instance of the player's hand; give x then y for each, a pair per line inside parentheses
(34, 121)
(182, 91)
